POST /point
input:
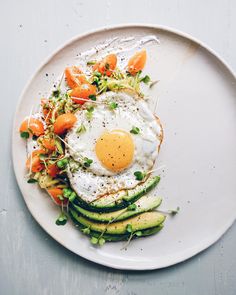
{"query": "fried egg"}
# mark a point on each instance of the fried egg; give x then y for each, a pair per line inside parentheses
(105, 136)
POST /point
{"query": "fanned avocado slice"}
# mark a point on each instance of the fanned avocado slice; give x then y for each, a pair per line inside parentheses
(122, 199)
(140, 222)
(144, 204)
(117, 238)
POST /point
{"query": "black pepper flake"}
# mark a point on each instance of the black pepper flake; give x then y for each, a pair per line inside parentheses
(46, 74)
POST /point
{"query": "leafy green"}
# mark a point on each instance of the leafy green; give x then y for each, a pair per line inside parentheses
(140, 175)
(113, 105)
(81, 129)
(24, 134)
(135, 130)
(101, 241)
(94, 240)
(146, 79)
(62, 219)
(32, 180)
(86, 230)
(87, 162)
(92, 97)
(132, 207)
(129, 228)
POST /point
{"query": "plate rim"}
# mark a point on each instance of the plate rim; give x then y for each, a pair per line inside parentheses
(202, 246)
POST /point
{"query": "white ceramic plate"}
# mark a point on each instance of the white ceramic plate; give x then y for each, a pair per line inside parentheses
(197, 106)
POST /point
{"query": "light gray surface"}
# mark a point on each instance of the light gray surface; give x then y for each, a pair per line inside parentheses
(30, 261)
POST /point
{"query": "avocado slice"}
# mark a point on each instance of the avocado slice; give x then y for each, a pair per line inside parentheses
(117, 238)
(137, 223)
(144, 204)
(122, 199)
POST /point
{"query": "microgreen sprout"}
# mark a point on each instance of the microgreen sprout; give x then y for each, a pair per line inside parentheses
(146, 79)
(25, 134)
(62, 219)
(87, 162)
(140, 175)
(135, 130)
(113, 105)
(81, 129)
(92, 97)
(32, 180)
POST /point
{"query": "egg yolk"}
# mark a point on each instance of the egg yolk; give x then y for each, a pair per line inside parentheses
(115, 150)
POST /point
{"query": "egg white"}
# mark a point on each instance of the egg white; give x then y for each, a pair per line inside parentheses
(97, 180)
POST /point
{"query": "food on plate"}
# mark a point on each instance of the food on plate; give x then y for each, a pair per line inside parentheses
(92, 147)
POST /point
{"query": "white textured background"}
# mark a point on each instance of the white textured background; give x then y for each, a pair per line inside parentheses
(30, 261)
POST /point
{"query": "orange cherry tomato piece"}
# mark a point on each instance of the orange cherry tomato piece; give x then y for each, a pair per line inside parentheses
(83, 91)
(55, 193)
(137, 62)
(53, 170)
(34, 161)
(74, 76)
(33, 126)
(49, 143)
(64, 122)
(106, 65)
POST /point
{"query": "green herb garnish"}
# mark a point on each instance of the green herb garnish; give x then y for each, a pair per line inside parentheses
(67, 192)
(93, 97)
(86, 230)
(62, 163)
(132, 207)
(89, 113)
(72, 196)
(146, 79)
(81, 129)
(113, 105)
(94, 240)
(87, 162)
(140, 175)
(129, 228)
(91, 62)
(138, 233)
(135, 130)
(175, 211)
(101, 241)
(56, 93)
(32, 180)
(25, 134)
(62, 219)
(97, 74)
